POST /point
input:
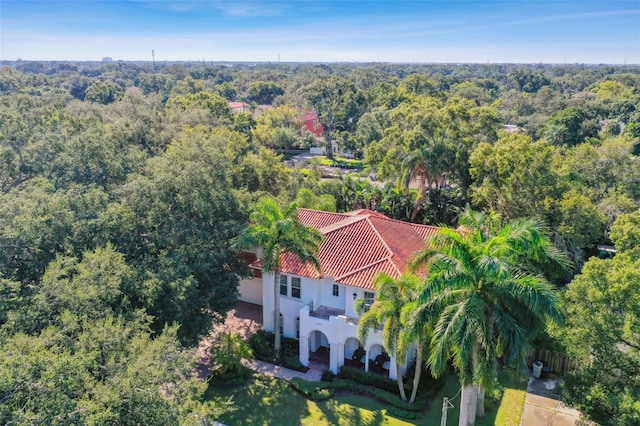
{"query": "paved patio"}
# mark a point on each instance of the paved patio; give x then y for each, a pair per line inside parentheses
(543, 408)
(245, 319)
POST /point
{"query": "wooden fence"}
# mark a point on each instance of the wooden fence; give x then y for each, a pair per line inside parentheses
(558, 363)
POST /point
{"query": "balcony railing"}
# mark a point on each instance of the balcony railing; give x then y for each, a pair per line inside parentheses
(325, 312)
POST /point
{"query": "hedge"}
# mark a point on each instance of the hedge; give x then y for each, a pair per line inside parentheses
(320, 391)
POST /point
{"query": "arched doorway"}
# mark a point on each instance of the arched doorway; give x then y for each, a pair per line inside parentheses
(379, 360)
(354, 353)
(319, 350)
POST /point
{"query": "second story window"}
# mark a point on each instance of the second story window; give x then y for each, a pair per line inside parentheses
(283, 285)
(295, 287)
(336, 290)
(368, 300)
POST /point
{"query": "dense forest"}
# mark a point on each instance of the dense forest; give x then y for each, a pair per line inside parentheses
(123, 187)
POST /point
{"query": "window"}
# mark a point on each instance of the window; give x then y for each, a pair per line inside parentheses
(283, 285)
(335, 290)
(281, 325)
(297, 327)
(295, 288)
(368, 300)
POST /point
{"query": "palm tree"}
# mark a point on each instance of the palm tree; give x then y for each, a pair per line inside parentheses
(228, 354)
(486, 298)
(279, 231)
(391, 298)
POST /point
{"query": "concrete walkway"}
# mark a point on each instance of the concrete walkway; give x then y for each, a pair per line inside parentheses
(542, 407)
(313, 375)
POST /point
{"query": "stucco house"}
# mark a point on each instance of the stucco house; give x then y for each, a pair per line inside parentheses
(318, 308)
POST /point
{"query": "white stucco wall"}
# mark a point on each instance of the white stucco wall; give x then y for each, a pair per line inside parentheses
(339, 333)
(250, 290)
(289, 306)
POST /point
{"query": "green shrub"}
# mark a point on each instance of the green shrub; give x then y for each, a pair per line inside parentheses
(227, 356)
(328, 376)
(323, 394)
(368, 379)
(262, 345)
(411, 415)
(290, 347)
(316, 391)
(320, 391)
(389, 398)
(292, 362)
(428, 384)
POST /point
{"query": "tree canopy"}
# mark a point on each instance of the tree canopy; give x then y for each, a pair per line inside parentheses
(124, 185)
(602, 310)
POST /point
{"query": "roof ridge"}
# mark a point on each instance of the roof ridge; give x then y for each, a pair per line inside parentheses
(322, 211)
(362, 268)
(341, 224)
(379, 215)
(380, 237)
(395, 266)
(422, 225)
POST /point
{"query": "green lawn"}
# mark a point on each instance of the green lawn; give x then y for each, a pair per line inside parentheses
(450, 389)
(268, 401)
(339, 162)
(505, 410)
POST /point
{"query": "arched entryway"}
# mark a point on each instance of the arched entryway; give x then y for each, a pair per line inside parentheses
(319, 351)
(378, 360)
(354, 353)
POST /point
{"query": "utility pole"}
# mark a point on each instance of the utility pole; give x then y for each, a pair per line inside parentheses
(445, 406)
(153, 58)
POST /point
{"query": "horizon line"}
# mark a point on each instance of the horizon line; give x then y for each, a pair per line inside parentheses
(245, 61)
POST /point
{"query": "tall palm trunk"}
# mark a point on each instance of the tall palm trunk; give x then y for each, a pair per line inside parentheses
(276, 312)
(400, 382)
(416, 376)
(480, 405)
(468, 405)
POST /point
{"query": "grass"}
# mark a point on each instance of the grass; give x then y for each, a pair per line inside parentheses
(510, 410)
(342, 162)
(450, 389)
(504, 409)
(269, 401)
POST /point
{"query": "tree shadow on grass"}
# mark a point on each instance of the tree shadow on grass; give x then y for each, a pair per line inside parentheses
(351, 411)
(263, 400)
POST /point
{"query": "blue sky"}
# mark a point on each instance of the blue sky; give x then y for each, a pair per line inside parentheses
(477, 31)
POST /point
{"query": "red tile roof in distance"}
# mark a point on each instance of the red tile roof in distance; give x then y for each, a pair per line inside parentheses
(358, 245)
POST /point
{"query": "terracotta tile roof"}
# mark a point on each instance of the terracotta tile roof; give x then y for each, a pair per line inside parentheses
(358, 245)
(318, 219)
(250, 260)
